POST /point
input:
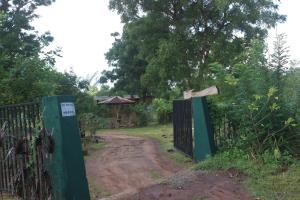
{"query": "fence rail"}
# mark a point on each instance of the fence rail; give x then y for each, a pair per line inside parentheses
(224, 128)
(23, 141)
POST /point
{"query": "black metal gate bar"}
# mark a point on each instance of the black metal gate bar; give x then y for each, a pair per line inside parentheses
(21, 157)
(183, 126)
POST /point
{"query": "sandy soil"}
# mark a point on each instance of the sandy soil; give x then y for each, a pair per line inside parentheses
(128, 168)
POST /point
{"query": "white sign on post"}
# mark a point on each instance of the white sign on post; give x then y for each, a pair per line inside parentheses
(67, 109)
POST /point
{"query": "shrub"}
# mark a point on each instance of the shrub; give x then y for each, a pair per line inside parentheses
(263, 118)
(143, 112)
(163, 110)
(91, 123)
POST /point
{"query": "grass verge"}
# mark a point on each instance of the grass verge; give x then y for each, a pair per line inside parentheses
(98, 193)
(96, 146)
(155, 175)
(89, 145)
(265, 179)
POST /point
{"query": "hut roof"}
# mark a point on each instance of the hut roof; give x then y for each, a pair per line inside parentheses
(101, 98)
(117, 100)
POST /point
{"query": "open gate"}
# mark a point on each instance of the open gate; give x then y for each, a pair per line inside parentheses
(183, 126)
(22, 153)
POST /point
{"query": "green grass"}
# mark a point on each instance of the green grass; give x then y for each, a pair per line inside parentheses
(155, 175)
(162, 133)
(89, 146)
(96, 146)
(97, 193)
(264, 179)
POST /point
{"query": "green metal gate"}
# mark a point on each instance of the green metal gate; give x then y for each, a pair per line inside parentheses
(192, 128)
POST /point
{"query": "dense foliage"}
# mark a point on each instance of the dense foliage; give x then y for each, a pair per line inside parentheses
(26, 69)
(167, 47)
(253, 98)
(167, 44)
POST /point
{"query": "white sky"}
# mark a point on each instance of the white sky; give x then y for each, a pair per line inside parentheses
(290, 27)
(82, 29)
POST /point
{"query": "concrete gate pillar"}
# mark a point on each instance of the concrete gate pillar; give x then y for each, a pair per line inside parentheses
(203, 132)
(66, 165)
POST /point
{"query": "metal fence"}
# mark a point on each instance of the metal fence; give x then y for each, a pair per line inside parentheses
(224, 127)
(24, 143)
(183, 126)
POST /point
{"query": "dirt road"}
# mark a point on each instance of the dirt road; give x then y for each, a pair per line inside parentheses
(127, 163)
(128, 168)
(194, 185)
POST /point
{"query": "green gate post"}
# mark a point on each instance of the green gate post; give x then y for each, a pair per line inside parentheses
(203, 133)
(66, 165)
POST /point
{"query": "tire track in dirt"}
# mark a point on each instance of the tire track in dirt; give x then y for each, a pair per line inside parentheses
(123, 168)
(190, 185)
(126, 164)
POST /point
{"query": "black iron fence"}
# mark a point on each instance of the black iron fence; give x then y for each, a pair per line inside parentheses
(24, 144)
(183, 126)
(224, 127)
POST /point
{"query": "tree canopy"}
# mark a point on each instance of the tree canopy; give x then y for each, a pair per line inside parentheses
(27, 71)
(167, 44)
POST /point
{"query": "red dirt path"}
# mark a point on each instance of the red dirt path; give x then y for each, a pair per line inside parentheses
(199, 186)
(125, 168)
(126, 163)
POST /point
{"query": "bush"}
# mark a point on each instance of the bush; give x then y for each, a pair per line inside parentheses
(163, 110)
(262, 117)
(144, 113)
(91, 123)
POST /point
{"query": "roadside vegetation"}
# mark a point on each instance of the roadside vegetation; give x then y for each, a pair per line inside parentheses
(96, 192)
(168, 47)
(264, 177)
(90, 145)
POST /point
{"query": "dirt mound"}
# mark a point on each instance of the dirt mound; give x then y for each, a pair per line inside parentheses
(191, 186)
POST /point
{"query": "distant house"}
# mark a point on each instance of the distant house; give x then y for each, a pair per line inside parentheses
(98, 99)
(134, 98)
(121, 114)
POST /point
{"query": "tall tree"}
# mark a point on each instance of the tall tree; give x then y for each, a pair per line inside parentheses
(131, 53)
(17, 36)
(24, 74)
(280, 59)
(195, 34)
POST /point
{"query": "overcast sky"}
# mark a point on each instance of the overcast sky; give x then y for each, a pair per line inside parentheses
(82, 29)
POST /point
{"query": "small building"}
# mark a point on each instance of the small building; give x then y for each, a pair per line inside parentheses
(134, 98)
(121, 115)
